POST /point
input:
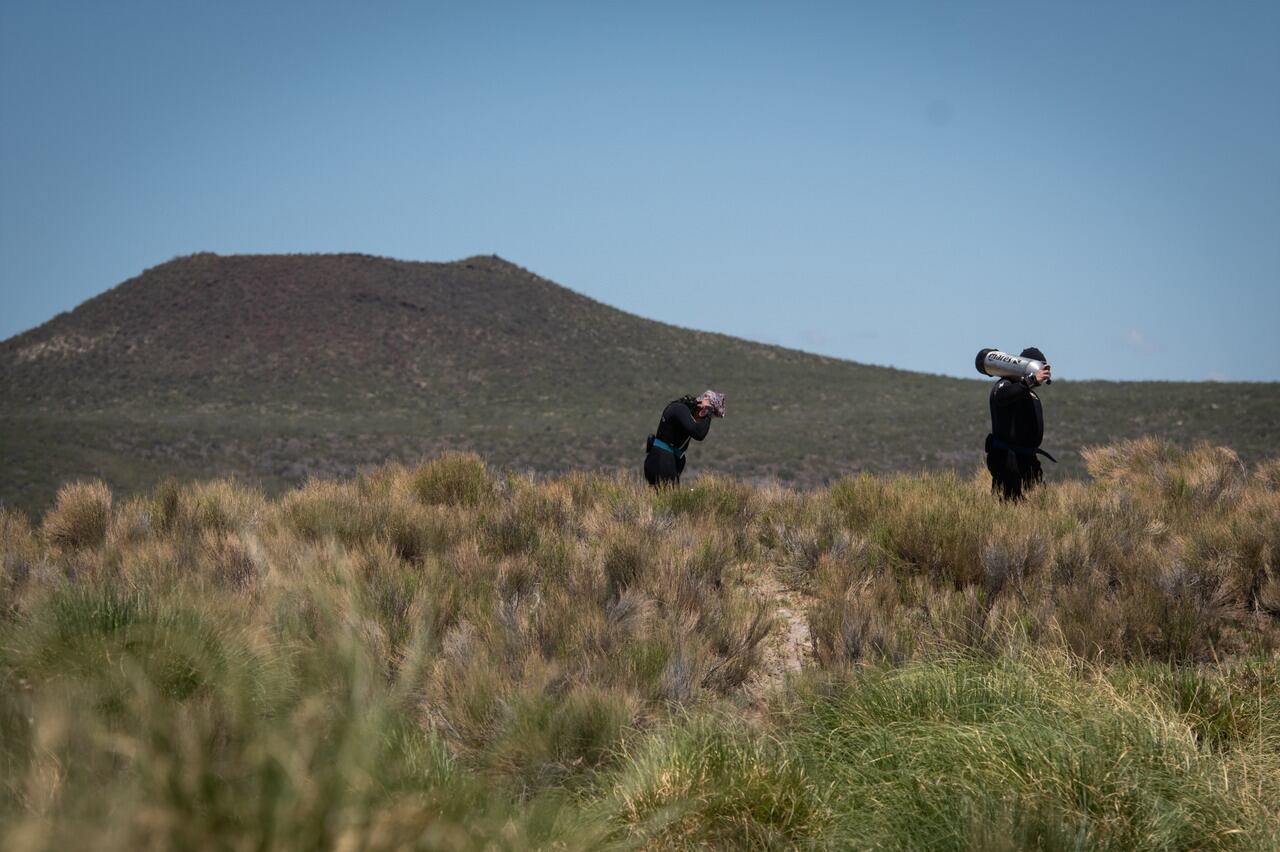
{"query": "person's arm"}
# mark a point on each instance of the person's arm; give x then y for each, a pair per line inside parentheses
(696, 427)
(702, 425)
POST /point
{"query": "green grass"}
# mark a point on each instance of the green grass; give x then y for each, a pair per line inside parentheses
(456, 656)
(1032, 753)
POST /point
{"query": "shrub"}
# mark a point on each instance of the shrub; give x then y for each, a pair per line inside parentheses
(1215, 477)
(233, 564)
(543, 738)
(938, 754)
(19, 552)
(221, 506)
(928, 524)
(1144, 460)
(455, 479)
(521, 522)
(102, 636)
(1013, 552)
(364, 513)
(131, 524)
(856, 616)
(707, 784)
(1224, 707)
(627, 557)
(711, 497)
(861, 499)
(1202, 479)
(735, 633)
(1267, 474)
(79, 517)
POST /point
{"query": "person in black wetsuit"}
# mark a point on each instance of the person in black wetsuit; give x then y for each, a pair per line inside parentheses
(1017, 428)
(683, 420)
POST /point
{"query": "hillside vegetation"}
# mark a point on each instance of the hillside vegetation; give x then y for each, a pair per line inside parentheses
(273, 369)
(453, 656)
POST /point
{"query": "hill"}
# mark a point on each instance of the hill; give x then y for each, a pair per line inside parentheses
(277, 368)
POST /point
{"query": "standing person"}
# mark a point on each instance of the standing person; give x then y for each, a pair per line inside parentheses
(1017, 428)
(685, 419)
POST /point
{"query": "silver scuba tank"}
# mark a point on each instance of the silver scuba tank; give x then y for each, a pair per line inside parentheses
(993, 362)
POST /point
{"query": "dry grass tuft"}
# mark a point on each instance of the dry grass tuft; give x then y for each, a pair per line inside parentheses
(455, 479)
(19, 554)
(80, 516)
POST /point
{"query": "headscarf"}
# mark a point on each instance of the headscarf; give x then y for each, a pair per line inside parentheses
(714, 401)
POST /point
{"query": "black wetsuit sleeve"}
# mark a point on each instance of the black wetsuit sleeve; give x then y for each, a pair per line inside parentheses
(1007, 392)
(696, 429)
(700, 428)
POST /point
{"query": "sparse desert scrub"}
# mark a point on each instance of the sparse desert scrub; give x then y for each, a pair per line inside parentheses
(453, 656)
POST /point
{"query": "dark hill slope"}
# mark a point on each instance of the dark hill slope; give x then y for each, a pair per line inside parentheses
(208, 329)
(299, 321)
(279, 367)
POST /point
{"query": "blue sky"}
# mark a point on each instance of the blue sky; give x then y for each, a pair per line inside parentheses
(897, 183)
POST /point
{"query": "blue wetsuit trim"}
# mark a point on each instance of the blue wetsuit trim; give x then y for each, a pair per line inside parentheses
(663, 445)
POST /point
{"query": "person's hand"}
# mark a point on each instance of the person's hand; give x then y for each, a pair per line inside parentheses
(1043, 375)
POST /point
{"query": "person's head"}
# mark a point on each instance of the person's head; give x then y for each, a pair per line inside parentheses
(713, 401)
(1034, 353)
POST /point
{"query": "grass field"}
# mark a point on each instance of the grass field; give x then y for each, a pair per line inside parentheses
(454, 656)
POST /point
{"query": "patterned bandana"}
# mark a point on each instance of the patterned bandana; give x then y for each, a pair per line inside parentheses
(714, 400)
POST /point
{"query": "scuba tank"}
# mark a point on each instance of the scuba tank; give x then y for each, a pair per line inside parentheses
(1002, 365)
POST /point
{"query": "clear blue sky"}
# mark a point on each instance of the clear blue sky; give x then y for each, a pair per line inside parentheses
(894, 182)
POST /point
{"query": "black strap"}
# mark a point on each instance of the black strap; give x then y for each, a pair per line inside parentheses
(1022, 451)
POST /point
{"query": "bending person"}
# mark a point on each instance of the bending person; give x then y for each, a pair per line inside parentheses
(683, 420)
(1017, 428)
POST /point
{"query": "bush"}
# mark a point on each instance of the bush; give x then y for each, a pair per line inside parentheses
(932, 524)
(543, 739)
(219, 506)
(19, 552)
(941, 754)
(711, 497)
(856, 616)
(1267, 474)
(1203, 479)
(79, 517)
(364, 513)
(706, 784)
(455, 479)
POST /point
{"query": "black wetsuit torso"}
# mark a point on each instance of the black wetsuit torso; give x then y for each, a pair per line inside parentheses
(676, 428)
(1017, 420)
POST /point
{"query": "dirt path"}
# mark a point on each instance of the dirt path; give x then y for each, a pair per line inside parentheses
(787, 647)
